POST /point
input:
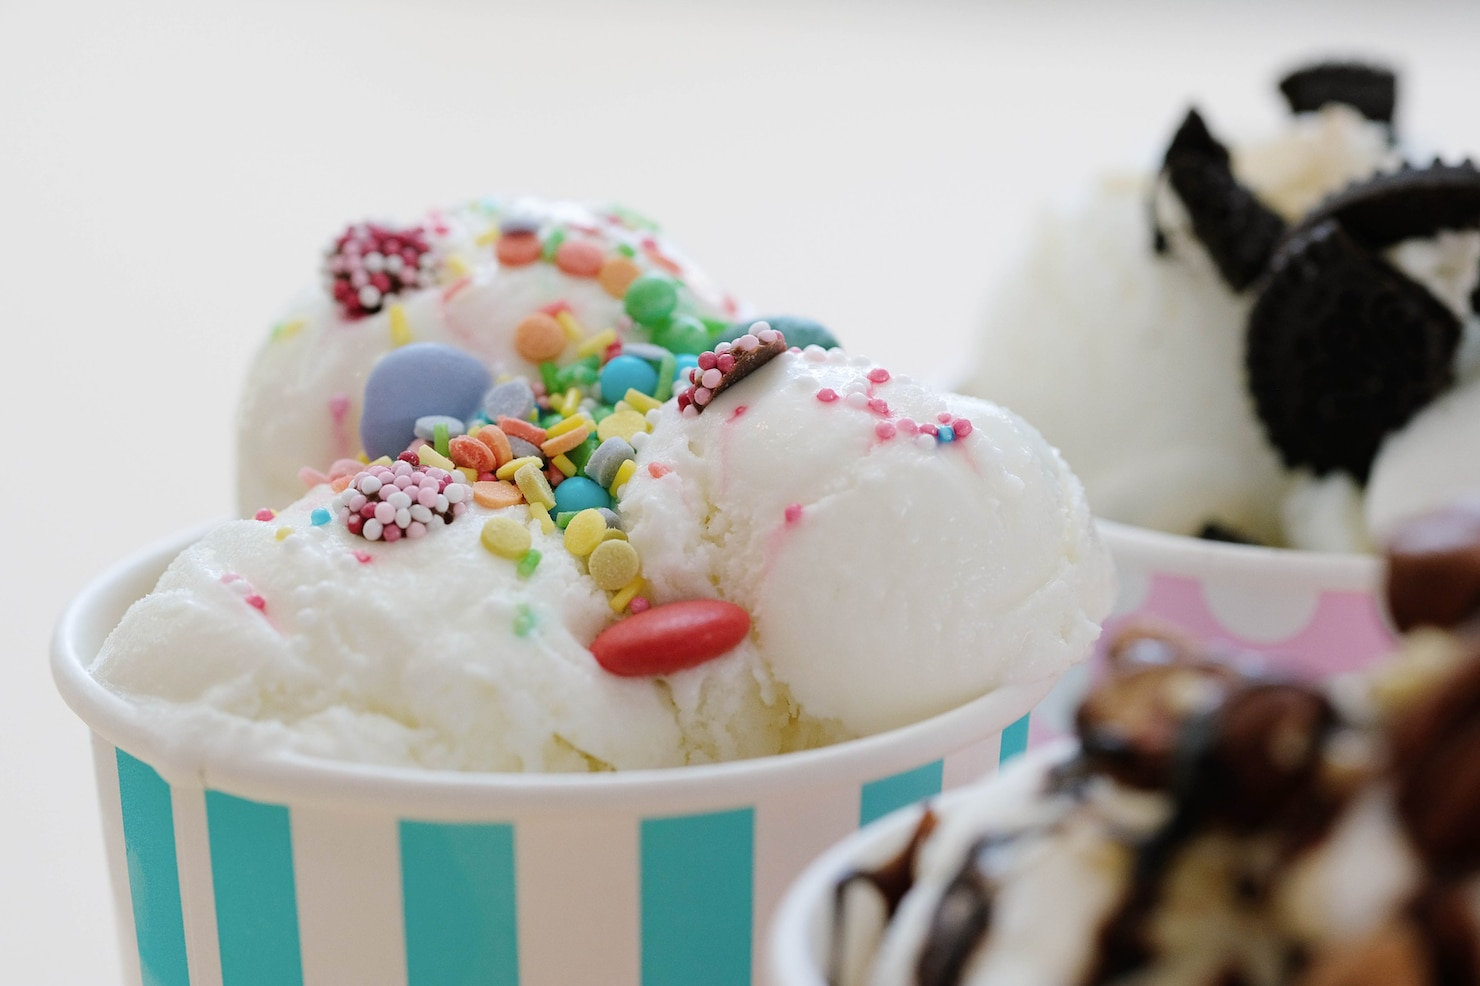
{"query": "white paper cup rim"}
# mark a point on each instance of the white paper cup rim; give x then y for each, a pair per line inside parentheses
(1180, 553)
(309, 780)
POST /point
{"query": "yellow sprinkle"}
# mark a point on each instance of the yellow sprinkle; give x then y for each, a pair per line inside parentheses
(472, 474)
(539, 512)
(384, 460)
(614, 534)
(641, 402)
(400, 326)
(622, 405)
(508, 469)
(557, 403)
(287, 330)
(584, 532)
(572, 402)
(532, 483)
(457, 265)
(429, 456)
(567, 468)
(283, 532)
(488, 236)
(624, 473)
(629, 592)
(506, 537)
(596, 345)
(569, 424)
(621, 424)
(613, 565)
(573, 329)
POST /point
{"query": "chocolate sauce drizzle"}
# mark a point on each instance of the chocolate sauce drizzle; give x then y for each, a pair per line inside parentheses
(893, 879)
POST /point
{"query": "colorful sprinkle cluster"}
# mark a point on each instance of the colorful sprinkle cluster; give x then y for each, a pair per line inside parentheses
(369, 263)
(729, 363)
(389, 502)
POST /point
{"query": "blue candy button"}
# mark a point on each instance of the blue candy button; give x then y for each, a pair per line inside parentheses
(625, 373)
(579, 493)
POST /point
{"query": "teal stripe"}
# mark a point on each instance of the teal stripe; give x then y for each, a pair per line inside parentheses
(697, 875)
(256, 906)
(457, 887)
(884, 795)
(153, 872)
(1014, 740)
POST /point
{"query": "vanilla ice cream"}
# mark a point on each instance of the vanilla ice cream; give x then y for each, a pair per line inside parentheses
(468, 277)
(870, 552)
(1130, 330)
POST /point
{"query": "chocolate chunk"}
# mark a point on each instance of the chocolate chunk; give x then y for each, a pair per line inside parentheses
(1265, 752)
(1131, 726)
(1433, 569)
(1342, 349)
(1443, 917)
(1238, 231)
(1436, 763)
(1392, 955)
(1412, 202)
(1369, 89)
(1147, 642)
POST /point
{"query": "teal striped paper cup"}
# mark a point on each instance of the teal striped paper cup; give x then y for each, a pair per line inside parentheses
(293, 870)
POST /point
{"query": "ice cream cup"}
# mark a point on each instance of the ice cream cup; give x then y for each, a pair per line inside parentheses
(245, 870)
(1311, 614)
(799, 941)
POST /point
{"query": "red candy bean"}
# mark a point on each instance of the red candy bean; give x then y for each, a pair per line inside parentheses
(669, 638)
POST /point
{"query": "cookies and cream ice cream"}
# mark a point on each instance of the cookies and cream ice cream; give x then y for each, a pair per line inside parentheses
(1214, 824)
(1256, 337)
(513, 282)
(798, 548)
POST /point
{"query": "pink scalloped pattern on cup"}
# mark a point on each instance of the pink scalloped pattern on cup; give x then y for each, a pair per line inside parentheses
(1344, 631)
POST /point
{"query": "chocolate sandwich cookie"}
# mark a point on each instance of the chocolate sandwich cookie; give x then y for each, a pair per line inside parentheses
(1371, 90)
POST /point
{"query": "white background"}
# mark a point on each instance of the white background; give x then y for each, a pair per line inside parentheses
(169, 171)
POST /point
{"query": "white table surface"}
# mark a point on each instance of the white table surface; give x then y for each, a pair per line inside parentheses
(169, 171)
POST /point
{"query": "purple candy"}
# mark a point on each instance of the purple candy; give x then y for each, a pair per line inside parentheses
(414, 381)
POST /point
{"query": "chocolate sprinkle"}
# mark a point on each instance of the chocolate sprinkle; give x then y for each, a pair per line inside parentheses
(1369, 89)
(1238, 231)
(1343, 349)
(1413, 202)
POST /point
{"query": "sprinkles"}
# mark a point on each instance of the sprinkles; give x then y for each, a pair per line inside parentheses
(390, 502)
(369, 263)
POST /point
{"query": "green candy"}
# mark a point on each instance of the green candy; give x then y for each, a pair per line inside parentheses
(651, 300)
(524, 618)
(582, 453)
(526, 567)
(550, 377)
(686, 334)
